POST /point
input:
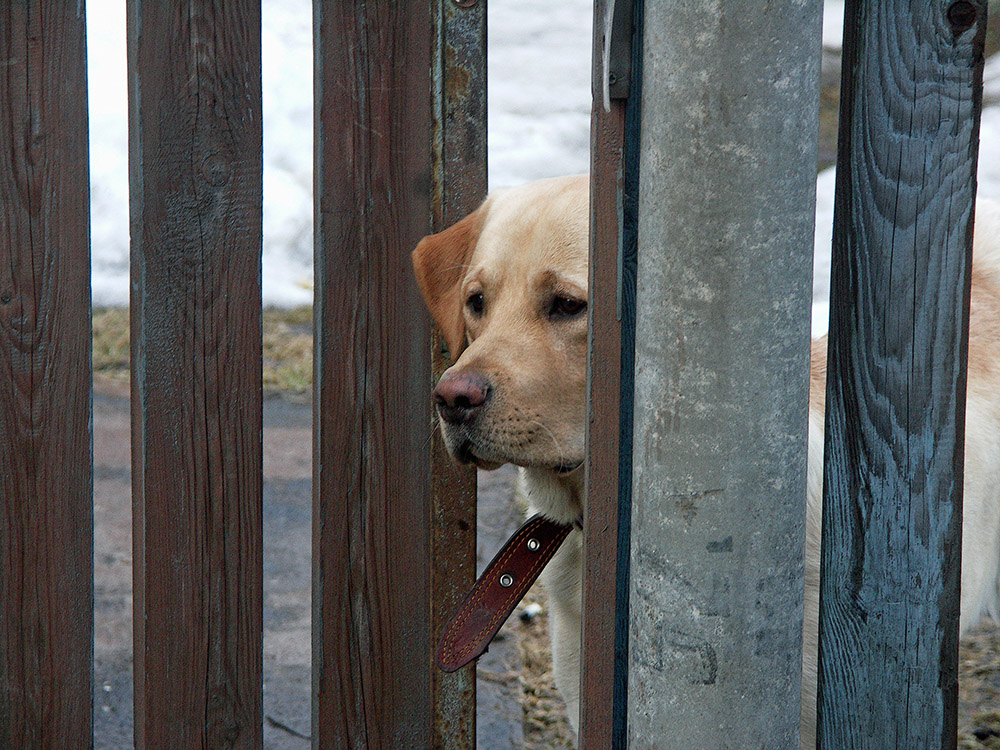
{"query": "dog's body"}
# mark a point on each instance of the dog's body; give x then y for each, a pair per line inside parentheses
(508, 287)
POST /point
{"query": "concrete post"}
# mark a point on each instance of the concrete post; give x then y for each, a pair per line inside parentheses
(727, 182)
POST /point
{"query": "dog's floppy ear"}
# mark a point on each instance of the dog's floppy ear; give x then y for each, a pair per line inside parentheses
(440, 262)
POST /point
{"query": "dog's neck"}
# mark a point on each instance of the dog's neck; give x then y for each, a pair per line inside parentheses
(558, 497)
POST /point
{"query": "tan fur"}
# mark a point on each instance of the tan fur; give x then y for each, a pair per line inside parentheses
(529, 246)
(528, 243)
(439, 263)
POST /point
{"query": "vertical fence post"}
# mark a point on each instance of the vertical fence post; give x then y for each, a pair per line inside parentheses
(725, 230)
(372, 681)
(195, 194)
(458, 88)
(614, 182)
(909, 126)
(46, 478)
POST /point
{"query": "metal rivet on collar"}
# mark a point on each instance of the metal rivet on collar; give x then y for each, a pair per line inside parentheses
(534, 545)
(506, 580)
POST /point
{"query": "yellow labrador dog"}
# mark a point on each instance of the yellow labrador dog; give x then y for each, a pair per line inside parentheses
(508, 287)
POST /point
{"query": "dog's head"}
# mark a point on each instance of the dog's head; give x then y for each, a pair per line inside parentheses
(507, 285)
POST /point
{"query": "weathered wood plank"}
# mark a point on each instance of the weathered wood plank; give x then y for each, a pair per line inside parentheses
(195, 176)
(614, 180)
(909, 123)
(459, 153)
(601, 523)
(727, 180)
(372, 682)
(46, 477)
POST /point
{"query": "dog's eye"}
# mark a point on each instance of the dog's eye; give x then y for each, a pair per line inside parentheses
(475, 303)
(566, 307)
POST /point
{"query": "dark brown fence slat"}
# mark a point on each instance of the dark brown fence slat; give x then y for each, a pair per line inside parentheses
(372, 479)
(889, 609)
(195, 175)
(612, 306)
(46, 480)
(601, 527)
(459, 138)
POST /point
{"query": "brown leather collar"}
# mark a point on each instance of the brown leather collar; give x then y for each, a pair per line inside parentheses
(499, 589)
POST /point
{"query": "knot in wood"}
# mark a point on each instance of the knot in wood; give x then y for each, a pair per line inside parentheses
(961, 16)
(215, 170)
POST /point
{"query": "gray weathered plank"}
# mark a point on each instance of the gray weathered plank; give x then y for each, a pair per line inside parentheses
(459, 152)
(909, 125)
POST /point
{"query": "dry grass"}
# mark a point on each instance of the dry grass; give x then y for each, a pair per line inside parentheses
(545, 724)
(111, 349)
(288, 350)
(979, 689)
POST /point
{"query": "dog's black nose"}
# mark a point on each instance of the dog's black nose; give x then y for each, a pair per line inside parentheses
(459, 397)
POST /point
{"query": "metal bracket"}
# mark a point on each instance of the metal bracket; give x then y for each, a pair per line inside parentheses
(617, 53)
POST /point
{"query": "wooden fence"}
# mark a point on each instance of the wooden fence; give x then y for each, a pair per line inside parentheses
(400, 126)
(400, 152)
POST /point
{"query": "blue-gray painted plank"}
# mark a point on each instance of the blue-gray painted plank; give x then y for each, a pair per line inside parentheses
(896, 386)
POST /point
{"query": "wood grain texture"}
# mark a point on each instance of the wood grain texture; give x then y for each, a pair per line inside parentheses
(46, 478)
(601, 542)
(911, 97)
(614, 178)
(459, 158)
(195, 189)
(372, 682)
